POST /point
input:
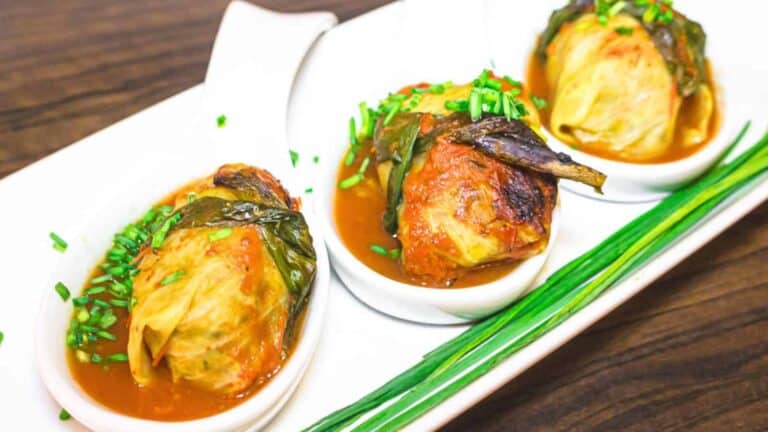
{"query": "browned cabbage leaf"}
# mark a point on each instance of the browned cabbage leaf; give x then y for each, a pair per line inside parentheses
(226, 322)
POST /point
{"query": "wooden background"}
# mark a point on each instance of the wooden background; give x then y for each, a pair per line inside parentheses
(689, 353)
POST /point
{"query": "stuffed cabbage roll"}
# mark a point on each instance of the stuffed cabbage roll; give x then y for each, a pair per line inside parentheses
(221, 283)
(626, 80)
(464, 188)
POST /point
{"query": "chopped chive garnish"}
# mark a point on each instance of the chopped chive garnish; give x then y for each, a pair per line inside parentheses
(391, 114)
(366, 119)
(95, 290)
(538, 102)
(350, 158)
(220, 234)
(315, 159)
(475, 105)
(351, 181)
(101, 303)
(616, 8)
(364, 165)
(107, 321)
(379, 250)
(353, 133)
(106, 335)
(437, 89)
(2, 336)
(81, 301)
(62, 290)
(64, 415)
(395, 253)
(294, 157)
(171, 278)
(624, 31)
(96, 358)
(102, 278)
(159, 237)
(221, 121)
(512, 82)
(418, 90)
(83, 315)
(119, 303)
(58, 243)
(118, 358)
(308, 190)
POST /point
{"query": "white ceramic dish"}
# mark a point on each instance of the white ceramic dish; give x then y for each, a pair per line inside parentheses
(87, 245)
(359, 348)
(628, 182)
(415, 303)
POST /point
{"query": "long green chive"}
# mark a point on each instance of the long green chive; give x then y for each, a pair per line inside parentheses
(221, 121)
(294, 157)
(58, 243)
(62, 290)
(64, 415)
(220, 234)
(173, 277)
(538, 102)
(118, 358)
(352, 181)
(379, 250)
(450, 367)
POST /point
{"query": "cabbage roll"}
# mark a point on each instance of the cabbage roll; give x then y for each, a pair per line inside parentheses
(618, 77)
(221, 283)
(462, 193)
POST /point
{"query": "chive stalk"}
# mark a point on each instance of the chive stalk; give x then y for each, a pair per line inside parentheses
(456, 363)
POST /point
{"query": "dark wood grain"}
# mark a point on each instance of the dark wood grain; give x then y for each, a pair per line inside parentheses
(689, 353)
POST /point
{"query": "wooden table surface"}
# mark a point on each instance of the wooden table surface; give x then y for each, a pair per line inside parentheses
(689, 353)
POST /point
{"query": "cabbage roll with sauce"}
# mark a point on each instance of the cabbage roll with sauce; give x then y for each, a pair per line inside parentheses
(627, 81)
(221, 284)
(463, 193)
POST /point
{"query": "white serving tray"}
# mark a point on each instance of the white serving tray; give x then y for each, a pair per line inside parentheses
(361, 348)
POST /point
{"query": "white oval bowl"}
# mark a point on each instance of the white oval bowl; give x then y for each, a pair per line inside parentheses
(411, 302)
(84, 252)
(634, 182)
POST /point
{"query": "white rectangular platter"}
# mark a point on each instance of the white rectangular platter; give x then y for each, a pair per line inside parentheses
(361, 348)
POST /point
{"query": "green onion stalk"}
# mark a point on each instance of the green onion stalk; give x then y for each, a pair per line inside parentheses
(460, 361)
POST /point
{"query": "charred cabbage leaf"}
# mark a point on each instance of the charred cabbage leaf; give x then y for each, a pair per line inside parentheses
(514, 143)
(681, 41)
(395, 143)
